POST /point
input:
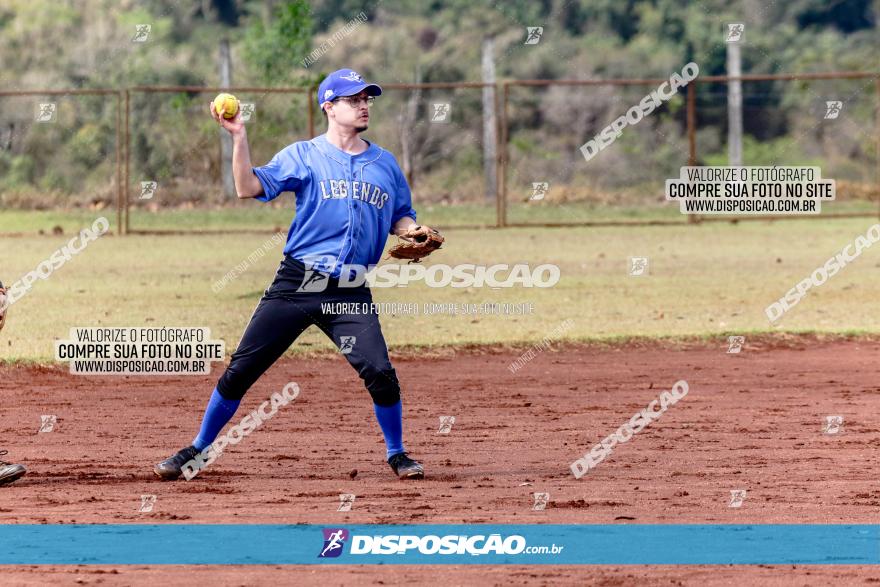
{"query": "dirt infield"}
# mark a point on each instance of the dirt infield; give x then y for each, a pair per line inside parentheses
(751, 421)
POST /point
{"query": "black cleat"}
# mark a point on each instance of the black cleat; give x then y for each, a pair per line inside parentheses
(172, 467)
(10, 472)
(406, 468)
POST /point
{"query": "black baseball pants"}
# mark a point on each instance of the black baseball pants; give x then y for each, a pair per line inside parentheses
(292, 303)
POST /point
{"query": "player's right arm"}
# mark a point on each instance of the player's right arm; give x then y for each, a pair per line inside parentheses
(246, 183)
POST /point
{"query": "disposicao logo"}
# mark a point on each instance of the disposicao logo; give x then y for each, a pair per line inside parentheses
(334, 540)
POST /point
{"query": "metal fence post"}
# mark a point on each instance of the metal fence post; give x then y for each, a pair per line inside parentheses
(501, 203)
(692, 132)
(119, 202)
(127, 157)
(499, 159)
(311, 109)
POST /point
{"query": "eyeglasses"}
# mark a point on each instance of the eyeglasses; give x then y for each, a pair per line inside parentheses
(355, 102)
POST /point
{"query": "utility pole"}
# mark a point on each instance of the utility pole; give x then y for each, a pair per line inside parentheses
(734, 101)
(490, 161)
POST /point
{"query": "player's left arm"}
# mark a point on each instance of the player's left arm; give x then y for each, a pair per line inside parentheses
(403, 226)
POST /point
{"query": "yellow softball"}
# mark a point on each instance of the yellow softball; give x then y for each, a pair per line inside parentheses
(226, 105)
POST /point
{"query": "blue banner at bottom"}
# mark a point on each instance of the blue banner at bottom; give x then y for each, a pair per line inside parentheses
(489, 544)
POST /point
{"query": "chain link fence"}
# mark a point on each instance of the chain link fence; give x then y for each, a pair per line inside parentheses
(154, 155)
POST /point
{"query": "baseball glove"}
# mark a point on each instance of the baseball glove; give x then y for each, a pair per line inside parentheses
(416, 244)
(3, 306)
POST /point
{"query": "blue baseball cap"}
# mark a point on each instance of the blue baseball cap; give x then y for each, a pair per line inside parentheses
(344, 82)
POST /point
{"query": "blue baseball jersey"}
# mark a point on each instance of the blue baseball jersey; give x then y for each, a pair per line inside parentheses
(346, 205)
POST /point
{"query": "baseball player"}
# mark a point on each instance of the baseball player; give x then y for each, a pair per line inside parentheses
(10, 472)
(350, 195)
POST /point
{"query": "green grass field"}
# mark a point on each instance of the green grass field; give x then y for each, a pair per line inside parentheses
(704, 280)
(251, 216)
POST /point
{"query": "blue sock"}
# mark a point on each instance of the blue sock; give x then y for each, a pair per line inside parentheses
(391, 421)
(217, 414)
